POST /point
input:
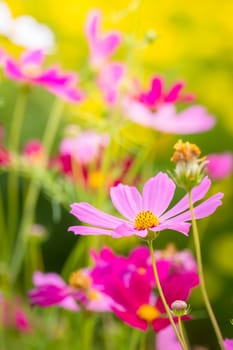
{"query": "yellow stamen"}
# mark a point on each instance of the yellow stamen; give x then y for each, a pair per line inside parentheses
(79, 280)
(148, 312)
(145, 219)
(185, 151)
(141, 270)
(94, 295)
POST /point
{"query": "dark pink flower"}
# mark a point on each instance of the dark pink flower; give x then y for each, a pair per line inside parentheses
(145, 212)
(101, 46)
(157, 95)
(51, 290)
(29, 70)
(220, 165)
(129, 282)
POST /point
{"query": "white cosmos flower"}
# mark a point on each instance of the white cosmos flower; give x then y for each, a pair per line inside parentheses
(25, 31)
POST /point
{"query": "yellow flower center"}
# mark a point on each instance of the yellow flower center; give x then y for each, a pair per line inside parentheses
(79, 280)
(94, 295)
(141, 270)
(145, 219)
(148, 312)
(96, 179)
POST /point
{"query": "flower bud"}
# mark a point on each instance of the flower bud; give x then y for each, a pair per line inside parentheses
(190, 169)
(179, 308)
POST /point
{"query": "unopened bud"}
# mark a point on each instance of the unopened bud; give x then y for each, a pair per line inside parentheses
(179, 308)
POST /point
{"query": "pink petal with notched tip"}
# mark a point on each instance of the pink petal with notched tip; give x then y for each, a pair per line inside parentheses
(127, 200)
(158, 193)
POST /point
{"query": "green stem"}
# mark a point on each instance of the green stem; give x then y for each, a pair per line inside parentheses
(181, 330)
(3, 232)
(14, 139)
(201, 275)
(33, 193)
(158, 285)
(52, 125)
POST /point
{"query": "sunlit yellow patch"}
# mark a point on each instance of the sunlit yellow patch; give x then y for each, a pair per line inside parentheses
(148, 312)
(79, 280)
(145, 219)
(31, 70)
(95, 179)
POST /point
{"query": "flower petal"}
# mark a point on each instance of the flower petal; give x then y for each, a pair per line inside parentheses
(126, 230)
(127, 200)
(158, 193)
(86, 230)
(198, 192)
(92, 216)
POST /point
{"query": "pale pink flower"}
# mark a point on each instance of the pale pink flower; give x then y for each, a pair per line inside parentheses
(147, 211)
(28, 70)
(101, 46)
(85, 147)
(220, 165)
(191, 120)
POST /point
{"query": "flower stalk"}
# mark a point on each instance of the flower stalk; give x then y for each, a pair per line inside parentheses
(169, 315)
(201, 276)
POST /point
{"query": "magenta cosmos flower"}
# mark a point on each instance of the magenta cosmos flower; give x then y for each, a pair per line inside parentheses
(101, 46)
(220, 165)
(146, 211)
(29, 70)
(156, 109)
(129, 282)
(51, 290)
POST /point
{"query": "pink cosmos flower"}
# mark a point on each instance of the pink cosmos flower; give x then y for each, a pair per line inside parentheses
(191, 120)
(157, 94)
(85, 147)
(220, 165)
(51, 289)
(5, 157)
(129, 282)
(156, 109)
(101, 46)
(145, 212)
(29, 70)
